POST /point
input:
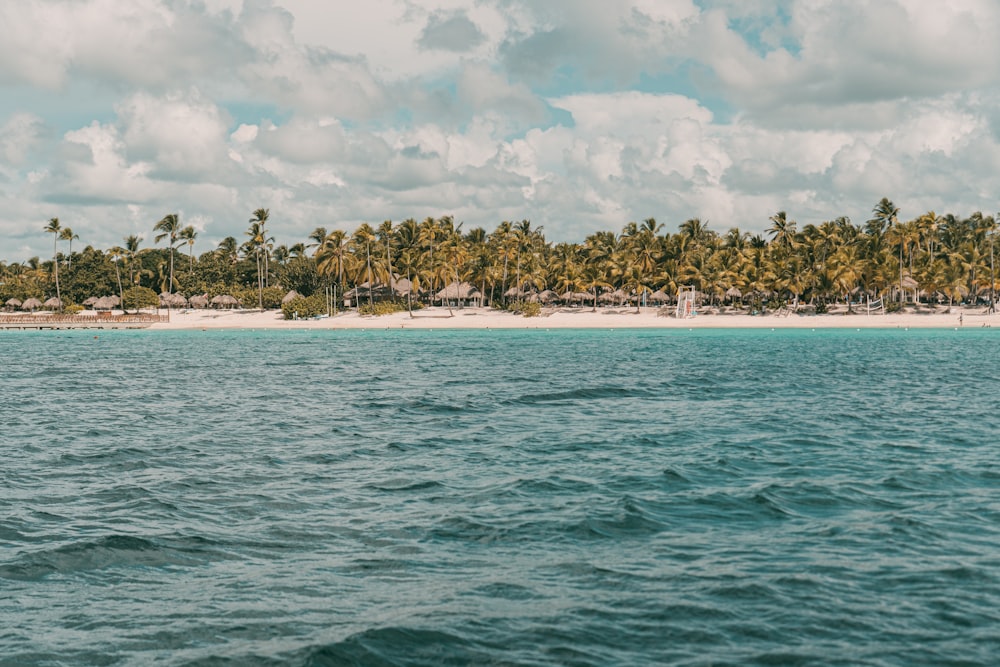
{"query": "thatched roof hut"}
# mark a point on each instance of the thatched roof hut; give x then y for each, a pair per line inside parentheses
(13, 304)
(105, 303)
(169, 300)
(461, 291)
(225, 301)
(89, 301)
(31, 304)
(292, 294)
(198, 301)
(402, 286)
(575, 297)
(659, 296)
(734, 293)
(548, 296)
(54, 303)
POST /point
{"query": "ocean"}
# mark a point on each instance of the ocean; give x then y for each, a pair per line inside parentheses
(529, 497)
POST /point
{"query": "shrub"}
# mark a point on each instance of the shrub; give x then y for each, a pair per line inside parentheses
(821, 308)
(521, 307)
(893, 307)
(250, 298)
(140, 297)
(305, 307)
(531, 309)
(382, 308)
(73, 309)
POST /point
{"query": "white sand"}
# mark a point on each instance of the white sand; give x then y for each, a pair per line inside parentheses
(566, 318)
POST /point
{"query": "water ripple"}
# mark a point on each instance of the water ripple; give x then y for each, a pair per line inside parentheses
(510, 498)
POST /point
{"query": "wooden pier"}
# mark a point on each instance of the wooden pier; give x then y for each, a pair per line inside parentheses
(90, 321)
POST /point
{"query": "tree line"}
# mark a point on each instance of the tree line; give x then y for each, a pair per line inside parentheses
(942, 257)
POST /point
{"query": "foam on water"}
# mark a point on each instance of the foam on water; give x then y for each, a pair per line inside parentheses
(500, 497)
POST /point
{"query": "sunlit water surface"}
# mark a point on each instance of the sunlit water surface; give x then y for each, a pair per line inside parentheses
(500, 498)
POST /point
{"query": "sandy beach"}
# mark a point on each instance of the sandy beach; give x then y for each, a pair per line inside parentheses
(572, 318)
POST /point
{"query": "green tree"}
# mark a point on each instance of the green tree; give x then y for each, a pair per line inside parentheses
(169, 228)
(55, 229)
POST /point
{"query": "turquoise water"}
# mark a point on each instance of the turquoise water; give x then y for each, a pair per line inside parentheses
(500, 498)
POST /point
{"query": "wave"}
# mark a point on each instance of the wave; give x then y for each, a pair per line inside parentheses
(397, 646)
(111, 551)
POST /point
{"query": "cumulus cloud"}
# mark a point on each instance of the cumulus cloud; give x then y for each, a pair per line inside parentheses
(182, 136)
(145, 42)
(19, 135)
(455, 32)
(577, 114)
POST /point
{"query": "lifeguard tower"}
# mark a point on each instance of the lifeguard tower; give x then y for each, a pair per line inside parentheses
(685, 303)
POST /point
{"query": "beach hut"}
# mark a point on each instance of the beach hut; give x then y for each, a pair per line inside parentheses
(198, 301)
(575, 297)
(459, 293)
(169, 300)
(659, 296)
(31, 304)
(13, 304)
(105, 303)
(53, 304)
(225, 301)
(402, 286)
(519, 292)
(292, 294)
(546, 297)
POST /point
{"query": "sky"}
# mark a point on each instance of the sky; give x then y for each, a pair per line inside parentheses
(579, 115)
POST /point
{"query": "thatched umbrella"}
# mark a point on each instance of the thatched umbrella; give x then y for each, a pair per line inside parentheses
(31, 304)
(546, 296)
(105, 303)
(292, 294)
(225, 301)
(13, 304)
(89, 301)
(577, 297)
(198, 301)
(53, 304)
(659, 296)
(168, 300)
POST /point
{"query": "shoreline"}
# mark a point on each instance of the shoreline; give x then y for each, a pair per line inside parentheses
(606, 318)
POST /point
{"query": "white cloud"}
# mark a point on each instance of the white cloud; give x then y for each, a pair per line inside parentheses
(19, 135)
(577, 114)
(183, 135)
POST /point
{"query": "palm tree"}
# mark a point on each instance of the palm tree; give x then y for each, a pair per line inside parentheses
(317, 236)
(67, 235)
(131, 253)
(886, 216)
(169, 228)
(118, 253)
(54, 228)
(384, 234)
(228, 250)
(257, 245)
(782, 231)
(188, 235)
(331, 257)
(363, 237)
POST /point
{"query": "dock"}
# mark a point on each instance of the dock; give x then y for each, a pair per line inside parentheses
(89, 321)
